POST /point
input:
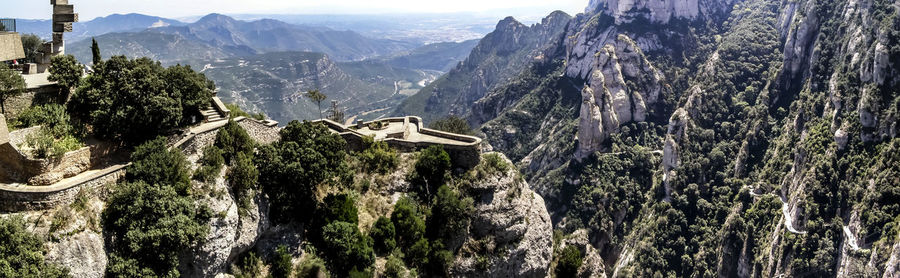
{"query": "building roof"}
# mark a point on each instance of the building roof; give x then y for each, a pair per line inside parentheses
(11, 46)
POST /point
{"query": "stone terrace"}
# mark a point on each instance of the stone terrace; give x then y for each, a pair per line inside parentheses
(408, 134)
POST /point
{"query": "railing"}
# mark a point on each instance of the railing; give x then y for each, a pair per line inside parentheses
(7, 25)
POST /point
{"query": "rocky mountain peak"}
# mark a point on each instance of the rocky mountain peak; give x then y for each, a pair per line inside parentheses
(508, 24)
(215, 19)
(657, 11)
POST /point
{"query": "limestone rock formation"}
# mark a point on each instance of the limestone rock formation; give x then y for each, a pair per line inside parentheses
(82, 254)
(609, 100)
(510, 233)
(498, 58)
(592, 264)
(658, 11)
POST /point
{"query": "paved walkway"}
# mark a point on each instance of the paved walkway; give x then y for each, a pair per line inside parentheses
(395, 129)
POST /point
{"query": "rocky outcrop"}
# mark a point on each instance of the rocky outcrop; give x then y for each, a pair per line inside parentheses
(82, 254)
(498, 57)
(510, 233)
(232, 232)
(610, 100)
(592, 265)
(658, 11)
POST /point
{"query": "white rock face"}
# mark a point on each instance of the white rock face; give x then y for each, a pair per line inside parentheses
(659, 11)
(82, 254)
(230, 234)
(607, 100)
(513, 221)
(592, 265)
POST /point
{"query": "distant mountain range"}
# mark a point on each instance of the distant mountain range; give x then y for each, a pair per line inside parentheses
(98, 26)
(220, 36)
(275, 82)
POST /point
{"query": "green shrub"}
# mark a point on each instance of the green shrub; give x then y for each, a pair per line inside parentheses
(282, 266)
(243, 177)
(569, 261)
(494, 163)
(433, 166)
(408, 222)
(450, 214)
(338, 207)
(46, 146)
(292, 169)
(394, 268)
(378, 157)
(210, 164)
(233, 139)
(22, 253)
(250, 266)
(440, 262)
(52, 117)
(142, 220)
(153, 163)
(346, 248)
(383, 234)
(312, 267)
(418, 254)
(452, 124)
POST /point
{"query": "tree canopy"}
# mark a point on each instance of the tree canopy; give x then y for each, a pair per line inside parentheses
(22, 253)
(291, 169)
(152, 218)
(136, 100)
(65, 71)
(11, 85)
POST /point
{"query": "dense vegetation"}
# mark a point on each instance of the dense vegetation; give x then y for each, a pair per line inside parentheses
(153, 217)
(291, 169)
(136, 100)
(22, 253)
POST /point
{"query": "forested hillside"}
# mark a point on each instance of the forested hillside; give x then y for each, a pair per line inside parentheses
(714, 138)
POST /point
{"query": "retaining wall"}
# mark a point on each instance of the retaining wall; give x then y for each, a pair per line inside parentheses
(15, 199)
(17, 167)
(465, 154)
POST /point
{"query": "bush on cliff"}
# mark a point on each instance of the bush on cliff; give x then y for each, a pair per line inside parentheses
(22, 253)
(291, 170)
(135, 100)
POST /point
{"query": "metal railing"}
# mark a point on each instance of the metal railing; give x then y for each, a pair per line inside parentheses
(7, 25)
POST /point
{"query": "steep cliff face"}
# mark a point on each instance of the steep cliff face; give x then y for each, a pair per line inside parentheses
(621, 88)
(511, 232)
(499, 56)
(658, 11)
(774, 122)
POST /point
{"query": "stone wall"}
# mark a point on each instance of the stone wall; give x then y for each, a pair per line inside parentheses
(17, 167)
(260, 132)
(31, 97)
(466, 154)
(15, 199)
(11, 46)
(52, 171)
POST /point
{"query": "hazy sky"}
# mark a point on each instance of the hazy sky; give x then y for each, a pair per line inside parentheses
(89, 9)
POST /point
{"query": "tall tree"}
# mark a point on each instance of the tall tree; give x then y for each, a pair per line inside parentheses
(11, 85)
(65, 71)
(95, 50)
(317, 97)
(32, 45)
(135, 100)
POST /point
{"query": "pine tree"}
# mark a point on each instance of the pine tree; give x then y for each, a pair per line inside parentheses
(317, 97)
(95, 50)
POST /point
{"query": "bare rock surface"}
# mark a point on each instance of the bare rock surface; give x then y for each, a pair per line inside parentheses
(82, 254)
(511, 232)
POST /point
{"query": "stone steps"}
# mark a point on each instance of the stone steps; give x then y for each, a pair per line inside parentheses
(210, 114)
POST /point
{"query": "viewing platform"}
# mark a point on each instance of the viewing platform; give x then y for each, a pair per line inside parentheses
(407, 134)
